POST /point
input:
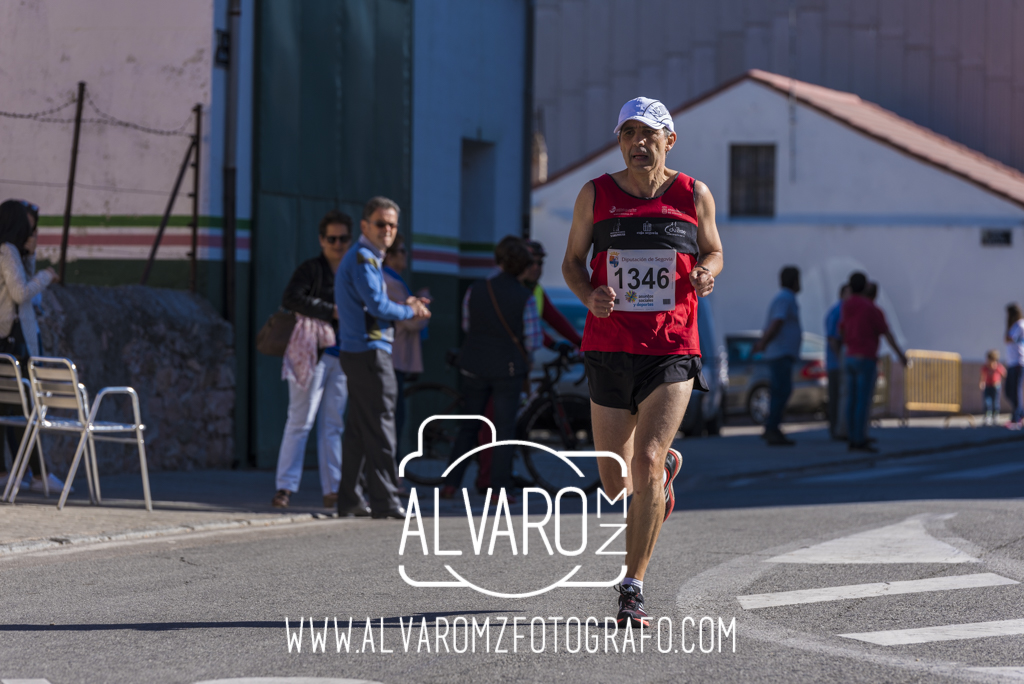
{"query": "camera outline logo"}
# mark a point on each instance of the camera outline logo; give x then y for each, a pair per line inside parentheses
(413, 513)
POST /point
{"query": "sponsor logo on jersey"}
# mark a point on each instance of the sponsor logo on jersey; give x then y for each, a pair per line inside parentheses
(618, 232)
(675, 229)
(647, 229)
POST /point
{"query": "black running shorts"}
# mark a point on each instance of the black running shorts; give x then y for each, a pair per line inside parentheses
(622, 380)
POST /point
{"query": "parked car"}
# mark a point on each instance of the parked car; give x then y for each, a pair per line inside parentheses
(749, 377)
(705, 413)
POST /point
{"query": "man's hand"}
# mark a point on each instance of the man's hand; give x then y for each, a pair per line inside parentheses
(702, 280)
(601, 301)
(419, 307)
(56, 278)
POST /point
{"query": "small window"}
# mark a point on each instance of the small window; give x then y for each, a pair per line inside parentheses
(752, 180)
(996, 237)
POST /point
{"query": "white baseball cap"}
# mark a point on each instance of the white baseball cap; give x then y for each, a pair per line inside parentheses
(650, 112)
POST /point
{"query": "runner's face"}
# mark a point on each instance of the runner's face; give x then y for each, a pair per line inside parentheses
(644, 148)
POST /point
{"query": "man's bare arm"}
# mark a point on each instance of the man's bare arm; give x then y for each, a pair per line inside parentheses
(895, 347)
(711, 260)
(601, 300)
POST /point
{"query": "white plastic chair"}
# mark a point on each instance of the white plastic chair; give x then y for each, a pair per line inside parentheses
(55, 385)
(14, 391)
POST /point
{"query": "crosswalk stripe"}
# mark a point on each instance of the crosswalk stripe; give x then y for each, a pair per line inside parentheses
(854, 591)
(982, 473)
(923, 635)
(905, 542)
(24, 681)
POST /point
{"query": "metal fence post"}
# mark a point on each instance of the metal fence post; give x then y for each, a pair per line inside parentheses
(197, 142)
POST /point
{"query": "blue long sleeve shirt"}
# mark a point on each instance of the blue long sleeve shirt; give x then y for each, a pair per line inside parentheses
(365, 314)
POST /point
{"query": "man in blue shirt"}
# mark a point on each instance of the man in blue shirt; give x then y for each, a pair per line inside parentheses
(834, 366)
(365, 332)
(780, 343)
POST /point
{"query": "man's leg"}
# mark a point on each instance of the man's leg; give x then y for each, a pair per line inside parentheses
(352, 443)
(506, 404)
(475, 393)
(643, 441)
(781, 388)
(833, 401)
(379, 436)
(331, 426)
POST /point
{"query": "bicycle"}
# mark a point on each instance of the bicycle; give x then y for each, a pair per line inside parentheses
(558, 421)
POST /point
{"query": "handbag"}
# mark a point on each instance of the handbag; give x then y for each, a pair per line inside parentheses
(272, 339)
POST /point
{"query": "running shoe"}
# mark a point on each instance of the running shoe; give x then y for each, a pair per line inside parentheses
(631, 607)
(673, 463)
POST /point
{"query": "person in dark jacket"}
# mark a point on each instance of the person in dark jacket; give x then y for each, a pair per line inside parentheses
(499, 317)
(316, 383)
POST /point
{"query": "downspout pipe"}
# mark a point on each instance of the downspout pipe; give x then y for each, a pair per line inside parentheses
(228, 239)
(530, 7)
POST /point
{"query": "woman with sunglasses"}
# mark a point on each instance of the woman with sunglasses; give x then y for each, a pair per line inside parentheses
(19, 284)
(316, 383)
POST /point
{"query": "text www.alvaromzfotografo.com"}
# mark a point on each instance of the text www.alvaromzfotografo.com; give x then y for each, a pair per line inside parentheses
(515, 635)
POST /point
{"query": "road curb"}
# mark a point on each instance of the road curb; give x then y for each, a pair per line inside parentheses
(815, 468)
(31, 545)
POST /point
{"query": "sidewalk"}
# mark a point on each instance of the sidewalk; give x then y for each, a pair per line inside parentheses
(216, 499)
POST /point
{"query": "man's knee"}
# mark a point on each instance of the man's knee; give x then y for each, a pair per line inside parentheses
(647, 466)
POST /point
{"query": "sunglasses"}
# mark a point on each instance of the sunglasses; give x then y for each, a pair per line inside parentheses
(29, 206)
(385, 224)
(342, 239)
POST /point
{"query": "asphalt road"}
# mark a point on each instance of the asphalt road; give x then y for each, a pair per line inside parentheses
(906, 571)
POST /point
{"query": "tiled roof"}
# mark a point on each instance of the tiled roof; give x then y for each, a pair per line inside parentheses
(880, 124)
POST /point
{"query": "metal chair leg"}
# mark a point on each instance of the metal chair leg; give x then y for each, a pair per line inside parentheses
(71, 472)
(89, 477)
(19, 457)
(18, 473)
(145, 470)
(95, 469)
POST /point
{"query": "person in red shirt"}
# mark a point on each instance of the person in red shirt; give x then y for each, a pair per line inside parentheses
(545, 309)
(992, 375)
(861, 323)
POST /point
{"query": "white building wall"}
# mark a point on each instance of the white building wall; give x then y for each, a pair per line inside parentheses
(856, 204)
(143, 61)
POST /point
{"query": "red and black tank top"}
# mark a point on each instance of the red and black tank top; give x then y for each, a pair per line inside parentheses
(623, 222)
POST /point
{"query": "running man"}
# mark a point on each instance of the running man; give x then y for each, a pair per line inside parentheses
(656, 249)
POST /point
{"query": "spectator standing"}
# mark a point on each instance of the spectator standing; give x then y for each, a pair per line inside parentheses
(780, 343)
(861, 324)
(499, 317)
(366, 333)
(545, 309)
(834, 367)
(316, 382)
(1014, 387)
(406, 353)
(18, 286)
(992, 375)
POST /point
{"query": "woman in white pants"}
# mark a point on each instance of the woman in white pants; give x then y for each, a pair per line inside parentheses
(316, 383)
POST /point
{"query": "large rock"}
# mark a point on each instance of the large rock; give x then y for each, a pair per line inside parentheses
(172, 347)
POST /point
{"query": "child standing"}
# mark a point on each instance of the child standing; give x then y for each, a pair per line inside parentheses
(992, 375)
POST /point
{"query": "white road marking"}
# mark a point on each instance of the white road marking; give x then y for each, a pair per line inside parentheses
(924, 635)
(905, 542)
(982, 473)
(1009, 672)
(285, 680)
(24, 681)
(854, 591)
(870, 474)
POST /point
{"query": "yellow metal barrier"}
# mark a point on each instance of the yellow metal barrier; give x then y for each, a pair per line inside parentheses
(932, 382)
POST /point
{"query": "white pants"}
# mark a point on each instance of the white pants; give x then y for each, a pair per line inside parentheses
(327, 395)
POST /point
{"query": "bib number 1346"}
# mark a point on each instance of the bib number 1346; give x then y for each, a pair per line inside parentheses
(643, 279)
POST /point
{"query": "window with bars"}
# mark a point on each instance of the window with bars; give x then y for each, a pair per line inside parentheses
(752, 180)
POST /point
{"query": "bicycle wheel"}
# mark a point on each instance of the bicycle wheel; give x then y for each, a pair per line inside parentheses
(538, 424)
(429, 399)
